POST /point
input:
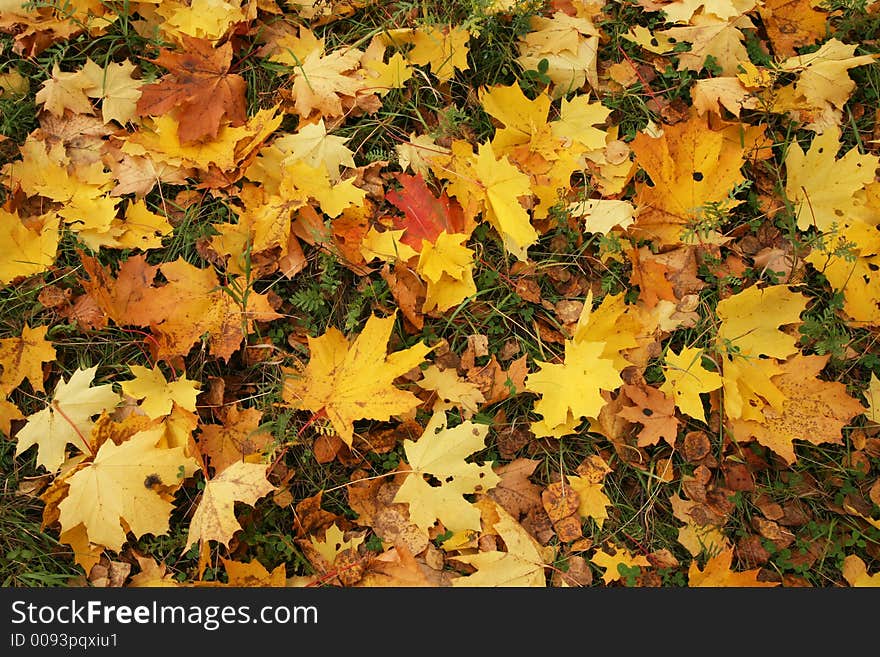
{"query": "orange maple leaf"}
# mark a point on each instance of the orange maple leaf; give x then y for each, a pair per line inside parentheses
(199, 86)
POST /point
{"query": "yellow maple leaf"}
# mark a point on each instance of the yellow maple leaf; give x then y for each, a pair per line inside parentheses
(67, 418)
(26, 250)
(686, 378)
(382, 77)
(613, 322)
(717, 572)
(603, 215)
(814, 410)
(214, 518)
(319, 80)
(111, 490)
(443, 48)
(570, 391)
(314, 146)
(525, 121)
(118, 91)
(354, 380)
(822, 187)
(333, 543)
(8, 413)
(711, 36)
(299, 181)
(612, 563)
(441, 453)
(501, 184)
(750, 321)
(453, 391)
(855, 572)
(205, 19)
(823, 74)
(578, 118)
(594, 502)
(157, 393)
(65, 90)
(253, 574)
(23, 357)
(748, 386)
(521, 565)
(446, 265)
(81, 190)
(386, 246)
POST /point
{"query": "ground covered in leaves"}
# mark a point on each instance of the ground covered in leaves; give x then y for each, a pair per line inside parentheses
(463, 293)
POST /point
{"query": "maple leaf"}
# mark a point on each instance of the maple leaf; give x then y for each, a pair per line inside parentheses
(191, 304)
(111, 490)
(214, 518)
(118, 91)
(22, 358)
(592, 500)
(152, 574)
(447, 267)
(686, 378)
(823, 188)
(81, 190)
(690, 166)
(67, 418)
(29, 249)
(441, 453)
(237, 439)
(710, 36)
(823, 79)
(570, 390)
(750, 321)
(312, 145)
(717, 572)
(452, 391)
(425, 216)
(320, 80)
(334, 543)
(569, 44)
(525, 122)
(199, 87)
(354, 380)
(576, 125)
(65, 91)
(521, 565)
(443, 48)
(612, 563)
(654, 411)
(384, 76)
(813, 410)
(157, 393)
(254, 573)
(501, 185)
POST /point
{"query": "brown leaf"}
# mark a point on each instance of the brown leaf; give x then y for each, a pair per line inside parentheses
(408, 291)
(738, 476)
(516, 492)
(199, 87)
(654, 411)
(696, 446)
